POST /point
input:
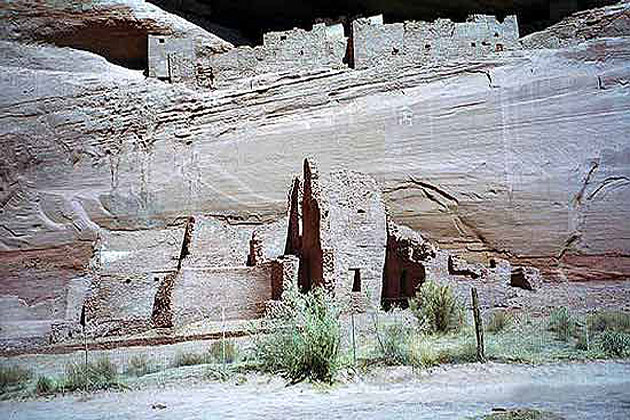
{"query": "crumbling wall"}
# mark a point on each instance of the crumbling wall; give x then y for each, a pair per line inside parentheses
(41, 290)
(404, 270)
(216, 293)
(131, 278)
(217, 242)
(396, 44)
(287, 51)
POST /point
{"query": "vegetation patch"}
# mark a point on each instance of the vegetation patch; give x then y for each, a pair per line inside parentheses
(304, 338)
(499, 321)
(437, 309)
(140, 365)
(224, 351)
(46, 385)
(521, 414)
(99, 375)
(13, 378)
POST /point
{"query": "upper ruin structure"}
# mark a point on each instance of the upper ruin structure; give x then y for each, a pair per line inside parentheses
(372, 43)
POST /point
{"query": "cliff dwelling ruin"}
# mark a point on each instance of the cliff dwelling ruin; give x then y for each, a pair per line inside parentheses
(147, 173)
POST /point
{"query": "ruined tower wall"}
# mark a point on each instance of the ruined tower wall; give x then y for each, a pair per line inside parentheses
(357, 235)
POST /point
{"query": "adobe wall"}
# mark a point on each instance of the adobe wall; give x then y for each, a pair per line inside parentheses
(376, 44)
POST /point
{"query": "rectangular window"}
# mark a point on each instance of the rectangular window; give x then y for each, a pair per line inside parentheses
(356, 283)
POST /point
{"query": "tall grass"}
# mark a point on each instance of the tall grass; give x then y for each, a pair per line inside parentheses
(304, 338)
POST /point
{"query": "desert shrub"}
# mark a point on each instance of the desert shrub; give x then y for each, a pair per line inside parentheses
(394, 344)
(13, 377)
(303, 339)
(102, 374)
(499, 321)
(45, 385)
(139, 365)
(609, 321)
(224, 349)
(562, 323)
(437, 308)
(190, 359)
(615, 343)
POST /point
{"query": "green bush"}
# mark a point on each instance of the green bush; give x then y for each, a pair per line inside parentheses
(562, 323)
(615, 343)
(609, 320)
(102, 374)
(499, 321)
(224, 349)
(304, 337)
(437, 309)
(140, 365)
(13, 377)
(45, 385)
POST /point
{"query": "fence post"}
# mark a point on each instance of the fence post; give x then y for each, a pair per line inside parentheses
(354, 347)
(481, 356)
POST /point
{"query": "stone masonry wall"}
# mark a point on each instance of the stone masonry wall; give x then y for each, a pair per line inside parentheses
(394, 44)
(293, 50)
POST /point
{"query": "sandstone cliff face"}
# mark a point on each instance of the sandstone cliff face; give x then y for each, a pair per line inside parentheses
(525, 154)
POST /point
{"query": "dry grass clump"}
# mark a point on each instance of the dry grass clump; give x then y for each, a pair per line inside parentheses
(499, 321)
(98, 375)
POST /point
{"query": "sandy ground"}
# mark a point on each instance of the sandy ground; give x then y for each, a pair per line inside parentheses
(599, 390)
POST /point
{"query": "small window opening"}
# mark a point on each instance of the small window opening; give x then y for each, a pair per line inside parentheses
(283, 37)
(485, 43)
(493, 263)
(473, 44)
(499, 47)
(156, 279)
(496, 34)
(427, 46)
(395, 51)
(361, 211)
(301, 52)
(356, 283)
(128, 281)
(161, 40)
